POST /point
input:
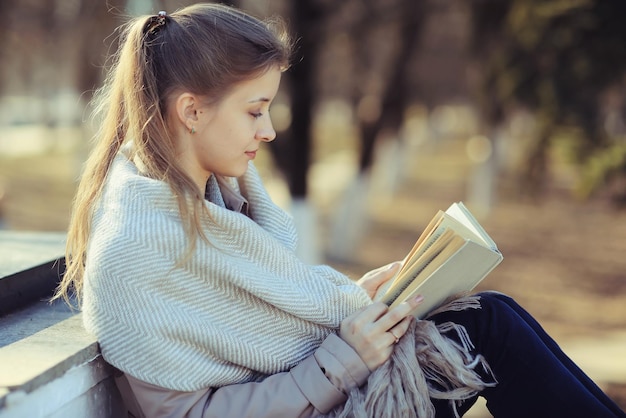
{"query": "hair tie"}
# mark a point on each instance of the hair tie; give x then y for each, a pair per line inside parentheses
(155, 23)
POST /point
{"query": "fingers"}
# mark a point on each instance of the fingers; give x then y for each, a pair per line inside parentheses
(373, 279)
(396, 315)
(369, 314)
(381, 274)
(382, 269)
(382, 317)
(396, 332)
(374, 330)
(360, 332)
(389, 269)
(385, 273)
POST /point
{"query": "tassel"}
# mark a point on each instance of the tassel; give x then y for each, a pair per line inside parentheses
(425, 365)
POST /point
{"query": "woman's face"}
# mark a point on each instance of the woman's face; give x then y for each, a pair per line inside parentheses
(229, 133)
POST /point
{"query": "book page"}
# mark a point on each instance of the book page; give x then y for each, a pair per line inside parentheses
(459, 212)
(414, 267)
(452, 247)
(427, 234)
(411, 256)
(441, 222)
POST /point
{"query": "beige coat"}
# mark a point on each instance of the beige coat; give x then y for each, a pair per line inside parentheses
(313, 387)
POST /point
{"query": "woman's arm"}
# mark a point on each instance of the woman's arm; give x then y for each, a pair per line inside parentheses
(316, 385)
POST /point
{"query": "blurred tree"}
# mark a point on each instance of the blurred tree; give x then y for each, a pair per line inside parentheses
(556, 58)
(96, 23)
(4, 34)
(29, 26)
(384, 35)
(382, 106)
(54, 48)
(293, 153)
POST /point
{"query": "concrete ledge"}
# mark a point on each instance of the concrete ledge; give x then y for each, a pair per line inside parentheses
(86, 390)
(56, 372)
(22, 250)
(30, 263)
(49, 365)
(33, 361)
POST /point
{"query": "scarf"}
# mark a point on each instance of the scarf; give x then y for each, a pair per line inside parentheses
(242, 307)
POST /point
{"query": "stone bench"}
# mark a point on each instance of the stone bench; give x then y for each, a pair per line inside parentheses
(49, 365)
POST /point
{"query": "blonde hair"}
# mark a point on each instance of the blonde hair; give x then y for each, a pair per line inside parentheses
(204, 49)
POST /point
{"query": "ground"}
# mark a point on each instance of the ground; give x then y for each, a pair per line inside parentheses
(564, 260)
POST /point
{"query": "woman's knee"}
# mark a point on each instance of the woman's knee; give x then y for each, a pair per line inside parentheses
(502, 302)
(491, 296)
(495, 315)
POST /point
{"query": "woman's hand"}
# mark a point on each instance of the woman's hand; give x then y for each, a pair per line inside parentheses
(374, 330)
(372, 280)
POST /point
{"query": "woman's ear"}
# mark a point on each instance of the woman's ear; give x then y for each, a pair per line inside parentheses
(186, 105)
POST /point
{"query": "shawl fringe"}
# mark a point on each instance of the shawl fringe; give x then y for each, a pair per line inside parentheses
(426, 364)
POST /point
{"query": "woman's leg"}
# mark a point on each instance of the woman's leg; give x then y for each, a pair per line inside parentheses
(535, 378)
(556, 350)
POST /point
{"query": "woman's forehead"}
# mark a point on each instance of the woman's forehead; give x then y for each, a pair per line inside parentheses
(261, 89)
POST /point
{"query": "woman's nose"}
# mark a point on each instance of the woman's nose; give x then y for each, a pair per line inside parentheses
(266, 133)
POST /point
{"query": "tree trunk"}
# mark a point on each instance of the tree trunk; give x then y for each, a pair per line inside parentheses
(292, 152)
(351, 219)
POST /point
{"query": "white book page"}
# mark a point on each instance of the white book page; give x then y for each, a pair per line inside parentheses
(459, 212)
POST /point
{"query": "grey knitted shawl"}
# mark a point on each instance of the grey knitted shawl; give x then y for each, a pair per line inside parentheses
(241, 308)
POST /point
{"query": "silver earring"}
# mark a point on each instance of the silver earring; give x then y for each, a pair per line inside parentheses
(192, 130)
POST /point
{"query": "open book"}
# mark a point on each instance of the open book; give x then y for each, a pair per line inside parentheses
(451, 256)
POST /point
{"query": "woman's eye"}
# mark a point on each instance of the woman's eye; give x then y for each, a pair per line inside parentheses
(256, 115)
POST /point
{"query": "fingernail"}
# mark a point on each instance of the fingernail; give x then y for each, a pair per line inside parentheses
(418, 298)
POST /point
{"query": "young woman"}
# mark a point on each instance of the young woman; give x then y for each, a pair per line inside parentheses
(187, 273)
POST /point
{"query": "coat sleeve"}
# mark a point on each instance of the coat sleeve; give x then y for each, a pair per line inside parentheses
(313, 387)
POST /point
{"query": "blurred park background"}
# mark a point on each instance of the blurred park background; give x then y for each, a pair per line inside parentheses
(392, 110)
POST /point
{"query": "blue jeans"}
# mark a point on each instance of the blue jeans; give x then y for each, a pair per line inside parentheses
(535, 378)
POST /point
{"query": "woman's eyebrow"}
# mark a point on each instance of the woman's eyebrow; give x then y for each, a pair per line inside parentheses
(260, 99)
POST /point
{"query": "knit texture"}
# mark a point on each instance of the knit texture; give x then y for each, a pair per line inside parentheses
(243, 306)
